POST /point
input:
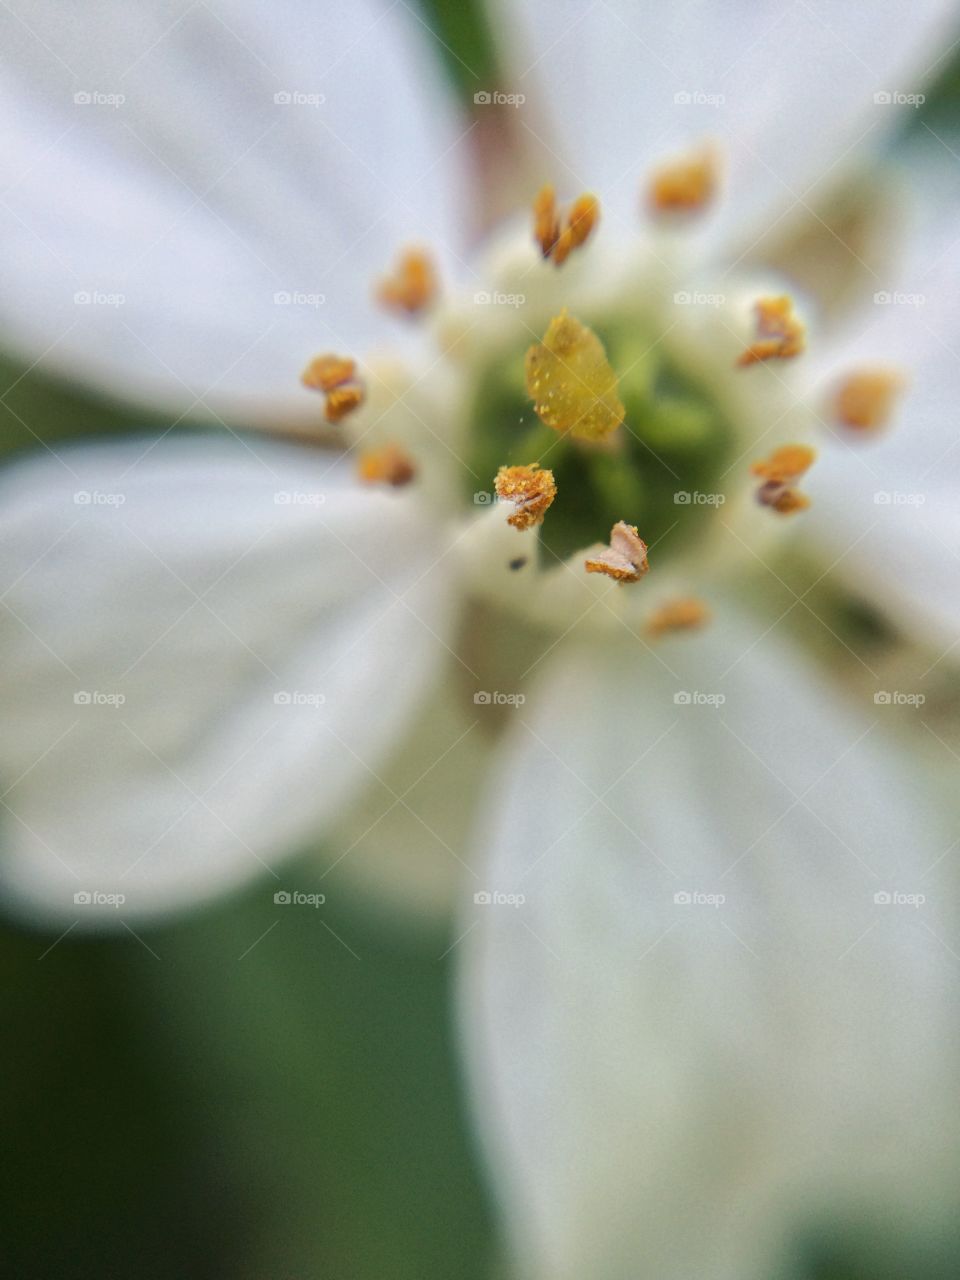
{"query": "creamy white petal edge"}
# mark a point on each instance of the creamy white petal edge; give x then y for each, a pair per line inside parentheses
(220, 168)
(671, 1087)
(787, 91)
(406, 842)
(209, 648)
(887, 508)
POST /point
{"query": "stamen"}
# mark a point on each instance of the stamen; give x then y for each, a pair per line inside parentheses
(626, 557)
(787, 463)
(678, 615)
(686, 184)
(865, 399)
(571, 383)
(413, 285)
(529, 489)
(556, 240)
(323, 373)
(336, 377)
(782, 498)
(780, 472)
(780, 334)
(386, 465)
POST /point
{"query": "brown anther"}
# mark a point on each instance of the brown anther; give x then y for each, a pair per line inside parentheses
(529, 489)
(342, 400)
(864, 400)
(328, 371)
(686, 184)
(784, 499)
(785, 464)
(413, 285)
(336, 377)
(557, 237)
(626, 557)
(779, 473)
(546, 223)
(678, 615)
(386, 465)
(780, 334)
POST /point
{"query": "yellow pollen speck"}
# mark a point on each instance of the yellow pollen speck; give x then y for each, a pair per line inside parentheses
(413, 285)
(387, 465)
(686, 184)
(557, 240)
(530, 489)
(626, 557)
(865, 399)
(678, 615)
(787, 463)
(780, 334)
(336, 377)
(571, 383)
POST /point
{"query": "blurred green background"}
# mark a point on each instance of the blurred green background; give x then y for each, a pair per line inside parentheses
(244, 1093)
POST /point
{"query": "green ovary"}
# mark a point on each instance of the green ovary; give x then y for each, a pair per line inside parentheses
(675, 440)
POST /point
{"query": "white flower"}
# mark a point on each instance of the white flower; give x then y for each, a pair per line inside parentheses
(702, 998)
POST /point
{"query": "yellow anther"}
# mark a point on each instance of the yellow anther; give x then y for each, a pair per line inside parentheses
(386, 465)
(529, 489)
(571, 383)
(558, 238)
(780, 334)
(686, 184)
(328, 371)
(342, 400)
(336, 377)
(626, 557)
(678, 615)
(413, 285)
(864, 400)
(785, 464)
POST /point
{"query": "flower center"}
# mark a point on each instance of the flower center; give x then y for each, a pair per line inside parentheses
(663, 466)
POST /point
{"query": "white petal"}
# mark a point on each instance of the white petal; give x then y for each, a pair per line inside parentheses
(786, 89)
(886, 508)
(199, 198)
(405, 843)
(670, 1088)
(209, 648)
